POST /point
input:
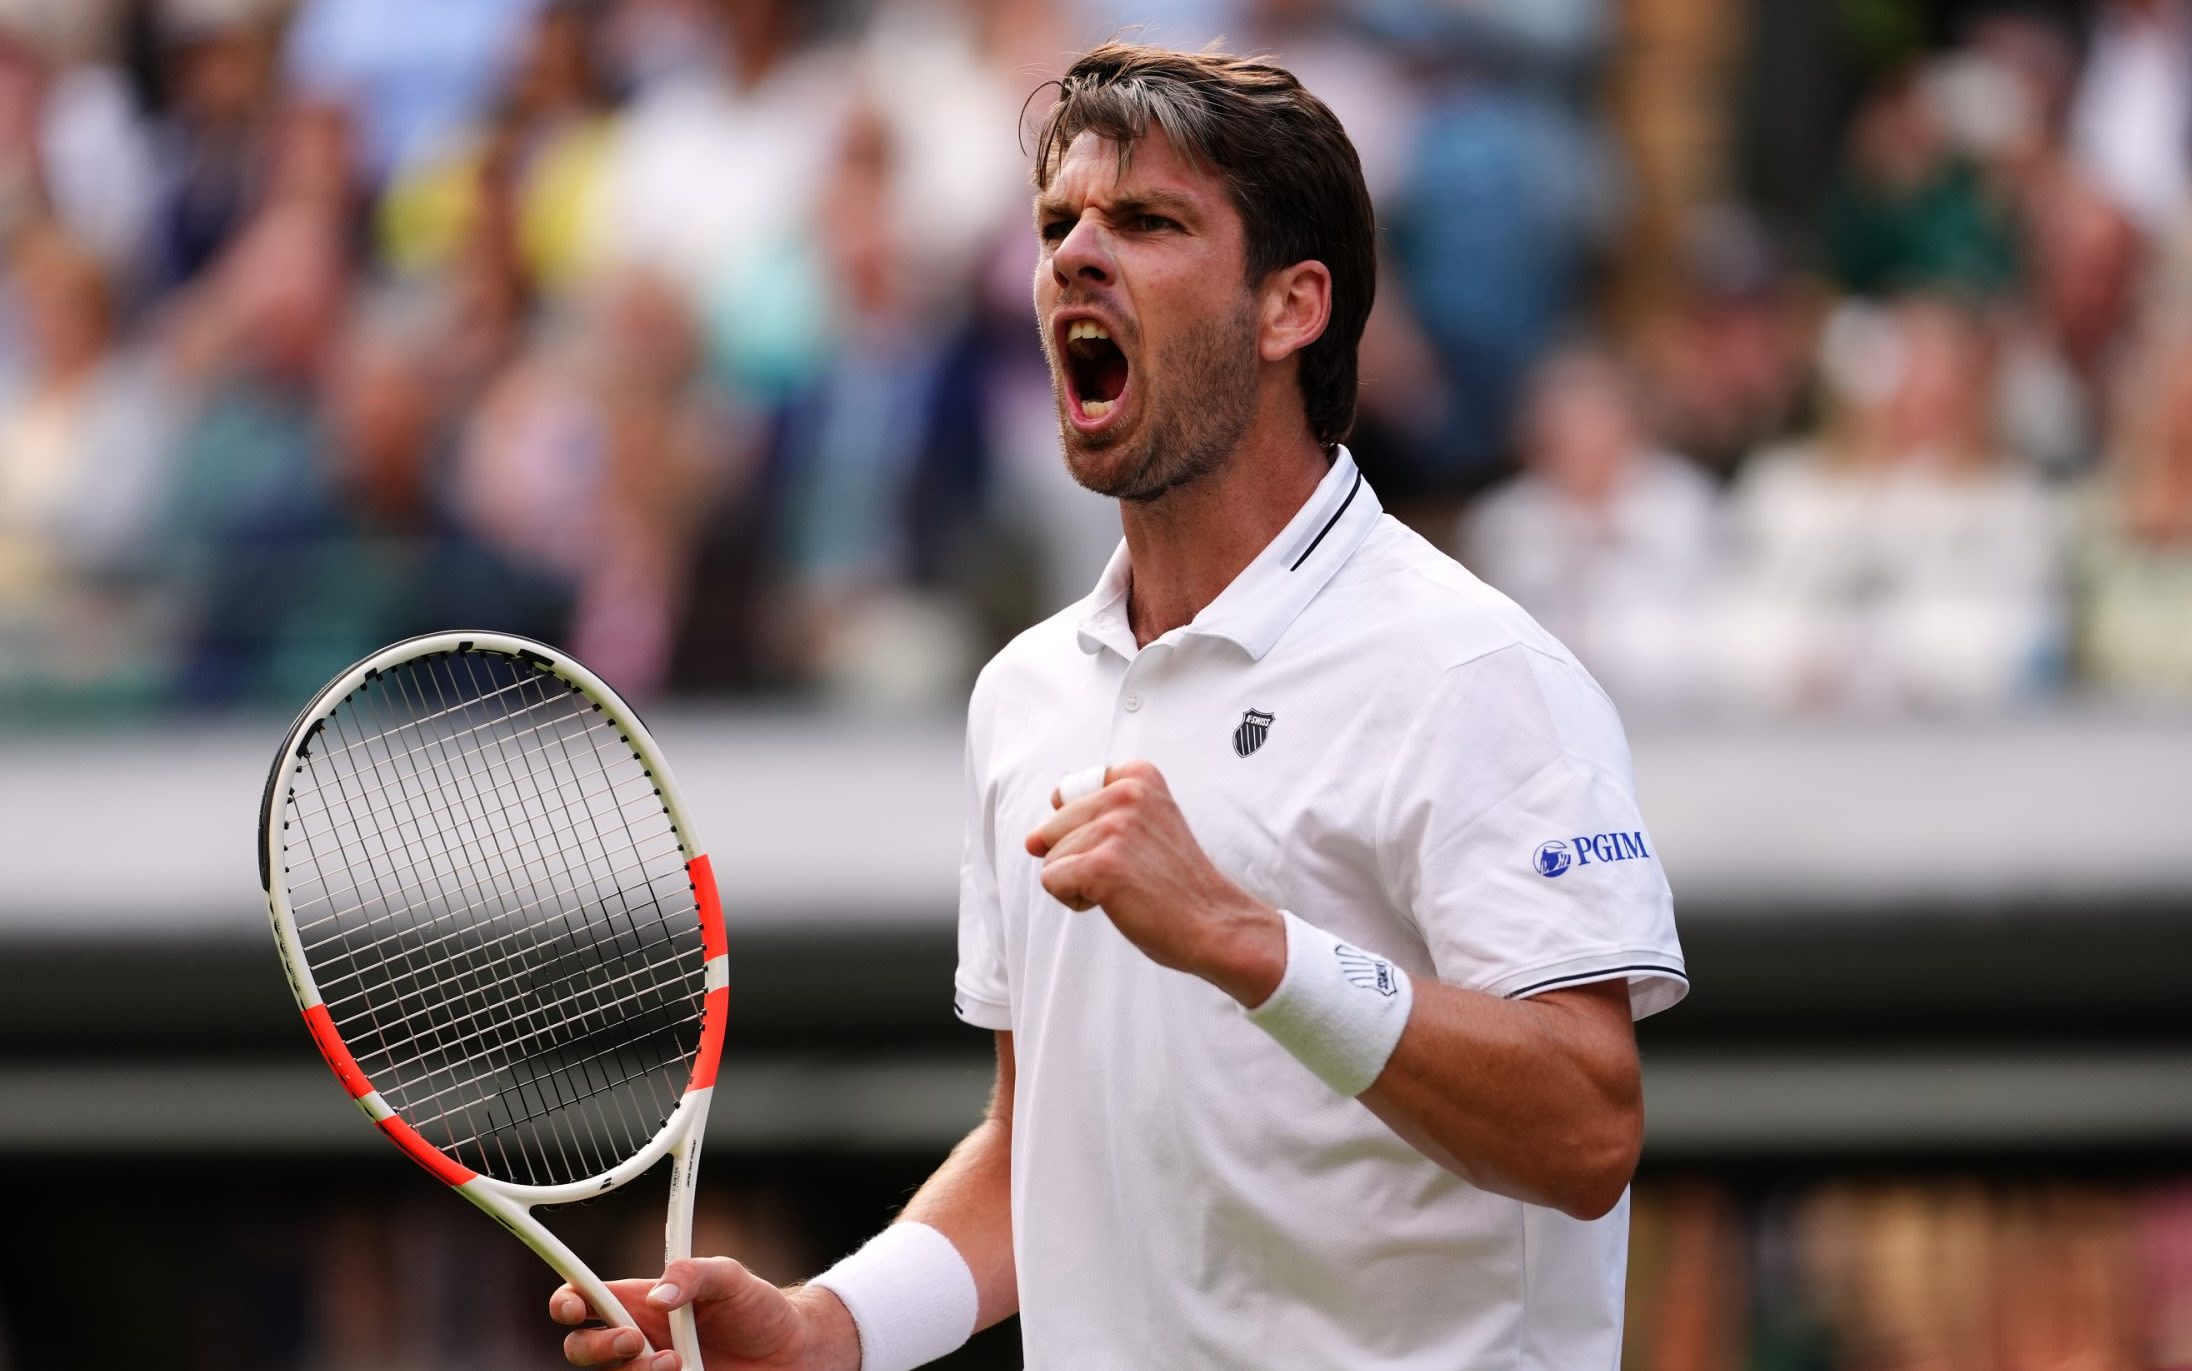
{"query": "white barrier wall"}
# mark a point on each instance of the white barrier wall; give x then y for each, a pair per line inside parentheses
(858, 822)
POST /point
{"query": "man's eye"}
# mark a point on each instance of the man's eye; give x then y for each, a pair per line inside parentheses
(1154, 223)
(1055, 230)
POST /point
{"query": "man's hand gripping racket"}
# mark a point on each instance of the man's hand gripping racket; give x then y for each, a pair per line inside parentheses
(503, 934)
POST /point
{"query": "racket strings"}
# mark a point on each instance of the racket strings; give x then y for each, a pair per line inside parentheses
(451, 920)
(532, 1080)
(425, 721)
(479, 1037)
(506, 909)
(467, 981)
(424, 870)
(423, 896)
(303, 827)
(453, 934)
(362, 793)
(556, 1090)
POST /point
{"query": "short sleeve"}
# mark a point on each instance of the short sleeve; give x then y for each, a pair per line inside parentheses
(1510, 831)
(981, 994)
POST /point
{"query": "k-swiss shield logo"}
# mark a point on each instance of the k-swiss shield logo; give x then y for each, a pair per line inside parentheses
(1255, 727)
(1365, 971)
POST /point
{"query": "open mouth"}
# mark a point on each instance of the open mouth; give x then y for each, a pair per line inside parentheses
(1096, 370)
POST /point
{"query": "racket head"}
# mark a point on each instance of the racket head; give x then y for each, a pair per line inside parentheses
(490, 905)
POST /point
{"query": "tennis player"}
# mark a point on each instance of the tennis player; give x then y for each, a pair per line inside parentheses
(1304, 885)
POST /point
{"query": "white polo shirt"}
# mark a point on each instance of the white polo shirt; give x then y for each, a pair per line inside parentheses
(1360, 731)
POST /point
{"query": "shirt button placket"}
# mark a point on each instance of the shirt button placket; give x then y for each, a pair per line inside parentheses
(1127, 712)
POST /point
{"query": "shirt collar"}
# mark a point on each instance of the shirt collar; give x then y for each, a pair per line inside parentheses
(1271, 592)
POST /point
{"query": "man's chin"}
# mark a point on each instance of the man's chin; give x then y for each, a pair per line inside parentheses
(1096, 457)
(1097, 477)
(1104, 470)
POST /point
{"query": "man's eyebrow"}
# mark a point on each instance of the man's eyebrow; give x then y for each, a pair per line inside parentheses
(1148, 201)
(1158, 201)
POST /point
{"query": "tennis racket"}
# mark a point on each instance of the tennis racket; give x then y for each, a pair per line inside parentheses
(503, 934)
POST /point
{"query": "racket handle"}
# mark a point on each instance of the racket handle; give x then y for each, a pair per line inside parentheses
(685, 1339)
(1086, 781)
(519, 1220)
(677, 1244)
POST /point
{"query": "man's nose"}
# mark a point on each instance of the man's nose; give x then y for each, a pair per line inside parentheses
(1084, 255)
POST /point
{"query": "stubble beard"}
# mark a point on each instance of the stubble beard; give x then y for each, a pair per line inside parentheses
(1188, 429)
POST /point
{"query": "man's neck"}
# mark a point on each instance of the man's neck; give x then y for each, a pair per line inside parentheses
(1186, 546)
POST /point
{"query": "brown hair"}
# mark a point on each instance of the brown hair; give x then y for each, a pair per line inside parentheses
(1292, 173)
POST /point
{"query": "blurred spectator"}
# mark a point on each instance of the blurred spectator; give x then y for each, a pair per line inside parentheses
(1897, 557)
(1909, 212)
(1403, 422)
(73, 144)
(85, 434)
(713, 178)
(540, 158)
(2165, 1287)
(652, 43)
(2133, 110)
(2002, 96)
(214, 144)
(365, 549)
(1367, 83)
(1724, 364)
(591, 460)
(484, 287)
(1686, 1300)
(2135, 537)
(2062, 344)
(1613, 545)
(951, 78)
(414, 72)
(253, 337)
(877, 466)
(1507, 194)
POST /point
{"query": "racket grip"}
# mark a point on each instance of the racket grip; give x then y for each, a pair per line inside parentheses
(1077, 784)
(685, 1339)
(677, 1244)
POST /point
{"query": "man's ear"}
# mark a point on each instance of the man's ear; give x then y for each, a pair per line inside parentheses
(1297, 304)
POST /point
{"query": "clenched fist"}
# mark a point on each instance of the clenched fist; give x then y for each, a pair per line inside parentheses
(1127, 849)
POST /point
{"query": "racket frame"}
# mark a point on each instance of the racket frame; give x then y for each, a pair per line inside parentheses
(511, 1203)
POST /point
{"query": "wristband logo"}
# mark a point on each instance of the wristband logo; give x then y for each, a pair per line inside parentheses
(1553, 859)
(1366, 972)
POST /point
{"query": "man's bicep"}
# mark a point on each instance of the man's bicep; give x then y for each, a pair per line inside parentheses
(1597, 1022)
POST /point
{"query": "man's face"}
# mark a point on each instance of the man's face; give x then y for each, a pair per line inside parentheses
(1146, 317)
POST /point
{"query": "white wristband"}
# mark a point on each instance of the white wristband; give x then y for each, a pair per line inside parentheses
(1338, 1008)
(910, 1294)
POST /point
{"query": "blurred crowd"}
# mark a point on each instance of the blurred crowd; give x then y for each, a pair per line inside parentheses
(693, 335)
(1931, 1272)
(1952, 1273)
(1942, 461)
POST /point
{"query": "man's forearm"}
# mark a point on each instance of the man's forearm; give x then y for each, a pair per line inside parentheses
(969, 1200)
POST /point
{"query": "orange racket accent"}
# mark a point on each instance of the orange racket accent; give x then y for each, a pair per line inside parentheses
(425, 1153)
(712, 942)
(711, 1039)
(331, 1047)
